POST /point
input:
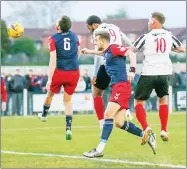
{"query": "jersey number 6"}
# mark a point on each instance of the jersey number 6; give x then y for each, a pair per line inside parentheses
(67, 44)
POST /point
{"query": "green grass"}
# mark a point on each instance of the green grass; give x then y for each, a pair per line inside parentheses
(28, 134)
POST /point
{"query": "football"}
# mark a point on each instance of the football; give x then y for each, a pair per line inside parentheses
(15, 30)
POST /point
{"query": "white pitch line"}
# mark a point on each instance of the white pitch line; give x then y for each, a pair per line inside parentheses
(94, 159)
(47, 128)
(76, 127)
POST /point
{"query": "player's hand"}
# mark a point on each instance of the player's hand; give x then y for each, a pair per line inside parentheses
(3, 106)
(86, 51)
(48, 86)
(93, 81)
(131, 76)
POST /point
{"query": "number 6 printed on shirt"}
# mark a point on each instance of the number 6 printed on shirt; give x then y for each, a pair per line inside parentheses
(67, 44)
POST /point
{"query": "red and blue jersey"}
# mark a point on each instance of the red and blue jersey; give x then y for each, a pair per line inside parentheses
(116, 63)
(66, 46)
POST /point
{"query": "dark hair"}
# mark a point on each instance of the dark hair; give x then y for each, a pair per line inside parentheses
(103, 35)
(159, 17)
(93, 19)
(65, 23)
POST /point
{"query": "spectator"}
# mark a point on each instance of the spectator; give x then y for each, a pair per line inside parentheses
(17, 85)
(153, 100)
(44, 82)
(175, 82)
(36, 82)
(3, 94)
(182, 77)
(81, 85)
(8, 79)
(29, 88)
(87, 80)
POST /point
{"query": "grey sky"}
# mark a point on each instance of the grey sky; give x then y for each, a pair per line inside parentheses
(175, 11)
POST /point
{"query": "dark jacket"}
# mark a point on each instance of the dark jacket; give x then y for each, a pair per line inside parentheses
(17, 83)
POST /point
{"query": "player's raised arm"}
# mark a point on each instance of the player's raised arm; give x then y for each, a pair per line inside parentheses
(139, 43)
(177, 46)
(52, 61)
(126, 39)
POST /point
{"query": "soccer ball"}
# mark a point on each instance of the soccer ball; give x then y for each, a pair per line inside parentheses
(15, 30)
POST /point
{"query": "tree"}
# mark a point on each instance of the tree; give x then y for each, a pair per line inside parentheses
(24, 45)
(120, 14)
(5, 41)
(37, 13)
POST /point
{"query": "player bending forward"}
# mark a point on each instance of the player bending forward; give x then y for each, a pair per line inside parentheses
(100, 78)
(63, 69)
(121, 89)
(157, 67)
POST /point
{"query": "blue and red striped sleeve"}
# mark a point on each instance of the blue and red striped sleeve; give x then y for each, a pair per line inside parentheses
(51, 44)
(118, 50)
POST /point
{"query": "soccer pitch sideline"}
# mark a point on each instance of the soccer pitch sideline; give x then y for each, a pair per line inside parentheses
(29, 143)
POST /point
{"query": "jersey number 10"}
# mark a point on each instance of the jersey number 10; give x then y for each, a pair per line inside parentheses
(67, 44)
(160, 45)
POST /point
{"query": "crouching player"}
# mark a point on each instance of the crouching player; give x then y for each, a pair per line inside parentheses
(121, 88)
(63, 69)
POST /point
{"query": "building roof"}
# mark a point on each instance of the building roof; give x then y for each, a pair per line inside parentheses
(126, 26)
(34, 33)
(178, 32)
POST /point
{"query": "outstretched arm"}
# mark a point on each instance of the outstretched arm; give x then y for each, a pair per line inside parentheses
(126, 39)
(177, 45)
(94, 52)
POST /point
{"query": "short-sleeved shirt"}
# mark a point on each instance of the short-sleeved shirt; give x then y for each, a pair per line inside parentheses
(156, 47)
(116, 63)
(66, 46)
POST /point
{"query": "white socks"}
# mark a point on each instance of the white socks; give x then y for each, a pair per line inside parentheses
(100, 147)
(101, 123)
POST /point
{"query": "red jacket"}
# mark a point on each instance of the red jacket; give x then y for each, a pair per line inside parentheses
(3, 90)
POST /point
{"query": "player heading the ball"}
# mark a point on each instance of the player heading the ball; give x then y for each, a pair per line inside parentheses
(63, 69)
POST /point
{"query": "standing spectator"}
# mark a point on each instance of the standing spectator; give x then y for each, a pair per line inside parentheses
(44, 82)
(87, 80)
(3, 94)
(29, 88)
(153, 100)
(182, 77)
(80, 85)
(8, 79)
(36, 82)
(17, 85)
(175, 82)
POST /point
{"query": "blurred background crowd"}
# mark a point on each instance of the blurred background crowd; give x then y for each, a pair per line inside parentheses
(35, 81)
(31, 50)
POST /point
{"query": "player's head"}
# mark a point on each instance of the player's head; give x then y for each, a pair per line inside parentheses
(63, 24)
(93, 22)
(156, 21)
(102, 39)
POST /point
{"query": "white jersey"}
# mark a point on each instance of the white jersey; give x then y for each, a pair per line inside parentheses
(113, 30)
(156, 47)
(116, 37)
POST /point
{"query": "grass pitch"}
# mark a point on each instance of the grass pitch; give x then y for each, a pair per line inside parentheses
(45, 141)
